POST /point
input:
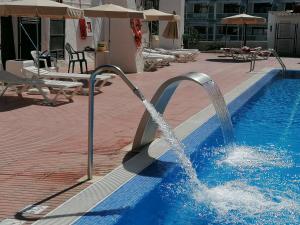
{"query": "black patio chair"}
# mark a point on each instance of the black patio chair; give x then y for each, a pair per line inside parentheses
(75, 56)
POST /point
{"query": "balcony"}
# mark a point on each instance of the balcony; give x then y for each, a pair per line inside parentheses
(210, 17)
(223, 15)
(196, 16)
(264, 15)
(221, 37)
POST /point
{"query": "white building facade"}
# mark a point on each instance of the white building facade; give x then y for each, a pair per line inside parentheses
(203, 20)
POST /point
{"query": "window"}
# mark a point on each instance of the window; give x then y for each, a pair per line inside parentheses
(259, 31)
(201, 29)
(150, 4)
(57, 38)
(231, 8)
(290, 6)
(200, 8)
(231, 30)
(262, 7)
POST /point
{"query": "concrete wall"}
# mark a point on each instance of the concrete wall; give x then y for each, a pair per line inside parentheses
(271, 30)
(170, 6)
(72, 26)
(123, 51)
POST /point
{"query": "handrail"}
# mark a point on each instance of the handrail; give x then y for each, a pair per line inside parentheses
(279, 60)
(253, 60)
(99, 71)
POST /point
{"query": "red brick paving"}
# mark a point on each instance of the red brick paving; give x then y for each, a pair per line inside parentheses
(44, 149)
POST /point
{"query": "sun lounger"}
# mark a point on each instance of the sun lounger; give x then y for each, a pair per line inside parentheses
(183, 55)
(192, 50)
(152, 64)
(23, 84)
(180, 56)
(152, 55)
(101, 80)
(226, 52)
(242, 54)
(158, 60)
(264, 54)
(245, 53)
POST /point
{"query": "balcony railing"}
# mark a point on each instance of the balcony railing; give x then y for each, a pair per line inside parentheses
(265, 15)
(223, 15)
(222, 37)
(219, 16)
(196, 16)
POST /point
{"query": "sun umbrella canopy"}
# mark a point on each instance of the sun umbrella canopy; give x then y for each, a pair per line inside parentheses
(244, 19)
(171, 31)
(112, 11)
(154, 15)
(39, 8)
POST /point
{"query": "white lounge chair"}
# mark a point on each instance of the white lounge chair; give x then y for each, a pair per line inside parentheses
(22, 84)
(182, 56)
(102, 79)
(35, 59)
(159, 59)
(153, 64)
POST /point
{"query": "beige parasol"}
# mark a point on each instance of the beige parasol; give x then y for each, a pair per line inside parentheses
(243, 19)
(39, 8)
(155, 15)
(171, 30)
(112, 11)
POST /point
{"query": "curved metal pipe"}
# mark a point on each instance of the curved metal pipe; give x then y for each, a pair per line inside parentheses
(145, 133)
(97, 72)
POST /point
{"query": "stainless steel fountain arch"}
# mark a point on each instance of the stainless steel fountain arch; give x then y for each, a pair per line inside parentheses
(97, 72)
(145, 133)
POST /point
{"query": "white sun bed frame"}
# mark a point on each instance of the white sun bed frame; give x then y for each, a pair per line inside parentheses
(159, 60)
(182, 56)
(23, 84)
(102, 79)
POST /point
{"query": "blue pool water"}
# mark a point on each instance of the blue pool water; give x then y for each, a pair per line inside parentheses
(255, 182)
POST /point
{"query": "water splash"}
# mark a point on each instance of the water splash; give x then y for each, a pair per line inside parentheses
(222, 113)
(177, 146)
(236, 201)
(246, 157)
(226, 125)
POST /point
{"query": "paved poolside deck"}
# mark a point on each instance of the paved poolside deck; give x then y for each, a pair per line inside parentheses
(44, 149)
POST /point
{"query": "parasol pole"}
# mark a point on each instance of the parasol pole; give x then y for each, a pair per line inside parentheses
(150, 35)
(226, 36)
(37, 47)
(109, 40)
(109, 33)
(245, 34)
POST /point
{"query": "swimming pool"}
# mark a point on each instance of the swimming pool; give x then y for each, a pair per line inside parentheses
(255, 182)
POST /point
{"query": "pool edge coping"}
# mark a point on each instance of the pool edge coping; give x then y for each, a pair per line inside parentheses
(75, 207)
